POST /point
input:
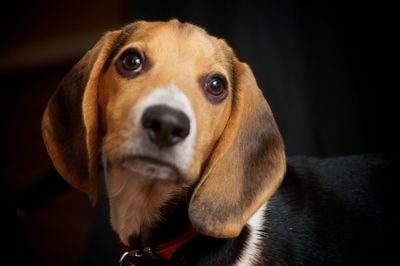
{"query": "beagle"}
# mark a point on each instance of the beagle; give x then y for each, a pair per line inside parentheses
(192, 160)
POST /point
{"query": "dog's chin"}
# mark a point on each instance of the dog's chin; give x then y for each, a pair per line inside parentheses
(151, 168)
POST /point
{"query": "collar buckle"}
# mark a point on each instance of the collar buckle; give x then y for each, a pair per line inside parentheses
(135, 253)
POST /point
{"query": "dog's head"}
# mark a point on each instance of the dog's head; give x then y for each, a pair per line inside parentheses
(164, 106)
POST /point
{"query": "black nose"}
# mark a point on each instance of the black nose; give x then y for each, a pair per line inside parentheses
(165, 126)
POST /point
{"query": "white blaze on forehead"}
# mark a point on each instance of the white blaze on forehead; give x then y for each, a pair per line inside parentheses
(173, 97)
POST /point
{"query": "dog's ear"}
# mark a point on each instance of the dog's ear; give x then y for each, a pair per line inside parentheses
(246, 167)
(70, 121)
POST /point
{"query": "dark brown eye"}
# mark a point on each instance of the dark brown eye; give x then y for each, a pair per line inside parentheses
(215, 87)
(132, 62)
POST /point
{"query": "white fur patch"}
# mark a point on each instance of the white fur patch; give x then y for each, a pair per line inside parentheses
(252, 249)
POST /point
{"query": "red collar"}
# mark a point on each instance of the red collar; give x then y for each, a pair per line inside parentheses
(164, 251)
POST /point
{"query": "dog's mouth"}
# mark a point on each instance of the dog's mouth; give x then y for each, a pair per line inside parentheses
(151, 168)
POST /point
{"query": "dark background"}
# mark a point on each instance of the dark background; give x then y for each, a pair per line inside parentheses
(327, 68)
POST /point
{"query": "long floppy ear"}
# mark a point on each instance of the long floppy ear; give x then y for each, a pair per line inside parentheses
(246, 167)
(70, 122)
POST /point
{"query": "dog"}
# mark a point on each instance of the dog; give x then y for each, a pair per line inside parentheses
(193, 163)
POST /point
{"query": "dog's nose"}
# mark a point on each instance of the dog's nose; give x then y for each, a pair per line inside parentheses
(165, 126)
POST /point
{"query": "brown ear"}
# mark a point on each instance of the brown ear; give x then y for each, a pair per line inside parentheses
(245, 168)
(70, 122)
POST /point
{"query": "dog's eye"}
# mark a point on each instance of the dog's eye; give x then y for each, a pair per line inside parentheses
(132, 62)
(215, 87)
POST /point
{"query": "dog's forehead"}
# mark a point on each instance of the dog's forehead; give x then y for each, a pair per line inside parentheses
(173, 38)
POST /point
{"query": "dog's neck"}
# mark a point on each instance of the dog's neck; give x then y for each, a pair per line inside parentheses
(172, 219)
(144, 212)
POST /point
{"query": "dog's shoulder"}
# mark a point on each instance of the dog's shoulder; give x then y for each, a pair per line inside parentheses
(332, 211)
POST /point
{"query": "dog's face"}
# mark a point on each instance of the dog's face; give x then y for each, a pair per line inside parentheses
(160, 107)
(165, 98)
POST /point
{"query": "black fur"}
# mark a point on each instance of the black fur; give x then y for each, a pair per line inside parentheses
(333, 212)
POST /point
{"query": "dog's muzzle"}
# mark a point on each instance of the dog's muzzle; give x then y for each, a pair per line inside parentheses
(165, 128)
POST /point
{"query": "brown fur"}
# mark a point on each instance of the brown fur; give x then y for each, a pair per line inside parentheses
(70, 124)
(238, 159)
